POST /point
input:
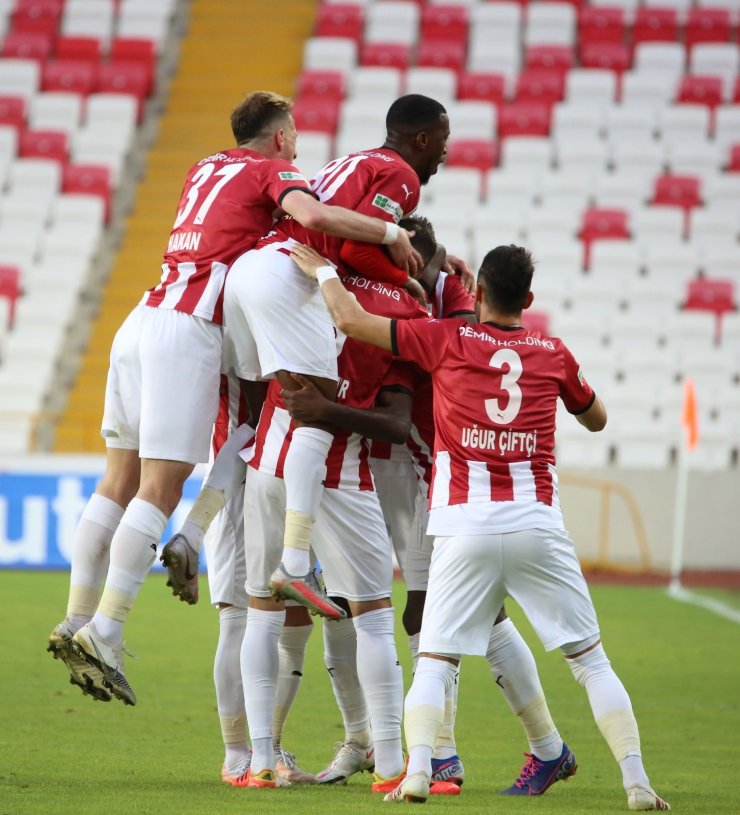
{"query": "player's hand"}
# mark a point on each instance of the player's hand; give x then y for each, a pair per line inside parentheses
(307, 260)
(404, 255)
(459, 267)
(416, 290)
(307, 404)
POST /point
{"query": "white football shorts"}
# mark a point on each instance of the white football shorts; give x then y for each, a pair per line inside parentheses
(349, 539)
(275, 318)
(161, 397)
(224, 545)
(397, 485)
(471, 576)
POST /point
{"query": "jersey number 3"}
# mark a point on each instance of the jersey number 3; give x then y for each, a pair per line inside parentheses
(509, 379)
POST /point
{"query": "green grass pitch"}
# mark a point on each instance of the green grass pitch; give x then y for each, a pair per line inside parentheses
(61, 753)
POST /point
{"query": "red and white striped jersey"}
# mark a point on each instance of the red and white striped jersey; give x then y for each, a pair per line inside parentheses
(363, 371)
(378, 183)
(232, 411)
(449, 299)
(228, 202)
(495, 398)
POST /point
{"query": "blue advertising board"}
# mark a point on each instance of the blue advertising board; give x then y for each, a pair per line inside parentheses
(39, 511)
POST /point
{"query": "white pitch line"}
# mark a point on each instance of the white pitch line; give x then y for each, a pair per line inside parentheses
(716, 606)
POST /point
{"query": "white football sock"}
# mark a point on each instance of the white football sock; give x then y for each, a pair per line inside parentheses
(414, 648)
(514, 670)
(382, 682)
(340, 658)
(303, 472)
(424, 711)
(260, 665)
(292, 652)
(445, 746)
(91, 555)
(226, 474)
(612, 711)
(227, 677)
(132, 552)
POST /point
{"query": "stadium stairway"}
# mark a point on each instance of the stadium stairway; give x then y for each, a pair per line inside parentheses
(231, 48)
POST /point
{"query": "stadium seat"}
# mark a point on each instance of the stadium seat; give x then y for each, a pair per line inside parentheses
(727, 125)
(602, 25)
(602, 224)
(680, 122)
(508, 188)
(622, 190)
(472, 119)
(13, 112)
(707, 25)
(630, 121)
(482, 154)
(576, 117)
(733, 163)
(314, 151)
(89, 18)
(677, 191)
(68, 75)
(10, 289)
(586, 154)
(650, 224)
(524, 119)
(655, 24)
(393, 21)
(707, 294)
(618, 258)
(316, 114)
(550, 23)
(137, 50)
(568, 190)
(27, 45)
(56, 110)
(591, 86)
(375, 84)
(446, 23)
(143, 21)
(549, 57)
(496, 58)
(701, 90)
(328, 84)
(130, 78)
(441, 54)
(388, 55)
(46, 144)
(340, 20)
(610, 56)
(89, 180)
(19, 77)
(85, 49)
(526, 154)
(666, 60)
(536, 85)
(330, 54)
(714, 227)
(40, 16)
(717, 59)
(113, 113)
(695, 156)
(439, 83)
(646, 88)
(638, 155)
(535, 320)
(483, 87)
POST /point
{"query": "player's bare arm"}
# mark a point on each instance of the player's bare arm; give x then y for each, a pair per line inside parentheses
(457, 266)
(594, 419)
(344, 223)
(348, 315)
(389, 420)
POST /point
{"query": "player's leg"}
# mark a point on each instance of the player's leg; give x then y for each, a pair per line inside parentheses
(446, 763)
(181, 553)
(175, 350)
(224, 544)
(545, 578)
(396, 483)
(273, 309)
(291, 653)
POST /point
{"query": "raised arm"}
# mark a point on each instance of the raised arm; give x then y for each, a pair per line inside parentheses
(344, 223)
(593, 419)
(348, 315)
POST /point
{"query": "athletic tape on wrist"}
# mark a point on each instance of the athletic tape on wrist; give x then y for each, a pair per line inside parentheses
(324, 273)
(391, 234)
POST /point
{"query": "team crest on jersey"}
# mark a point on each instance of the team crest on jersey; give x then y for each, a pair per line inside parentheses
(291, 177)
(388, 205)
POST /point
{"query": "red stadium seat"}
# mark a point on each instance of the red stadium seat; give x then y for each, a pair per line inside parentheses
(655, 24)
(130, 78)
(316, 115)
(68, 75)
(441, 54)
(549, 57)
(386, 55)
(677, 191)
(85, 49)
(483, 87)
(13, 111)
(705, 294)
(135, 49)
(602, 224)
(51, 144)
(733, 165)
(329, 84)
(10, 288)
(601, 24)
(707, 25)
(701, 90)
(481, 154)
(613, 56)
(524, 119)
(88, 179)
(446, 23)
(41, 16)
(536, 321)
(537, 85)
(736, 92)
(339, 20)
(27, 45)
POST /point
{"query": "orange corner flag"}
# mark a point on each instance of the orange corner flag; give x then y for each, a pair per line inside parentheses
(689, 415)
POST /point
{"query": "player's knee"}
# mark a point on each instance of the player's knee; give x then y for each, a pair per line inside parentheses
(586, 659)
